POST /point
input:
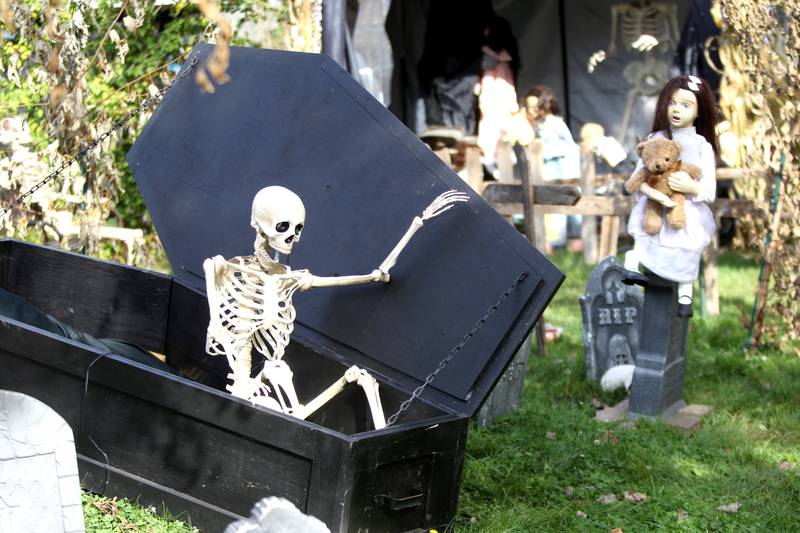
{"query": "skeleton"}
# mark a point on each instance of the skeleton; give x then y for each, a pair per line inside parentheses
(647, 28)
(643, 27)
(250, 302)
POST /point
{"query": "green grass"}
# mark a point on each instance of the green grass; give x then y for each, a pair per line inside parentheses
(515, 477)
(112, 515)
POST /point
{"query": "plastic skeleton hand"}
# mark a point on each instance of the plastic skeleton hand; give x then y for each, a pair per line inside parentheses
(644, 43)
(441, 204)
(595, 59)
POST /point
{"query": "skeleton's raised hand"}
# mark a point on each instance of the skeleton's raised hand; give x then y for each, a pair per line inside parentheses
(442, 203)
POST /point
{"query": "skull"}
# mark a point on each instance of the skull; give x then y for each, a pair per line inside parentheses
(278, 216)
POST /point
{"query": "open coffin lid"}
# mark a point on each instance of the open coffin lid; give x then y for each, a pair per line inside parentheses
(300, 121)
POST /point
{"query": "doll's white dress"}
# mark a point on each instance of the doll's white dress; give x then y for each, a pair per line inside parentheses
(675, 254)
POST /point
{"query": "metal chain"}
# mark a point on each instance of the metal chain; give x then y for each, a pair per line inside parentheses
(457, 348)
(147, 102)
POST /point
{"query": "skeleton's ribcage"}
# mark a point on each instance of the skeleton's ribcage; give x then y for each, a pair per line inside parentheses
(254, 308)
(650, 20)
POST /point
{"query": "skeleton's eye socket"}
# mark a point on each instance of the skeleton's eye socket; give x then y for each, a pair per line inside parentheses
(297, 229)
(281, 227)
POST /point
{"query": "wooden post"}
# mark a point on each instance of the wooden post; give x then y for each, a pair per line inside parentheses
(472, 163)
(711, 300)
(609, 235)
(505, 166)
(588, 223)
(531, 224)
(535, 166)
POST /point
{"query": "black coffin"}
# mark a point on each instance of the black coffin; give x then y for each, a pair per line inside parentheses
(467, 279)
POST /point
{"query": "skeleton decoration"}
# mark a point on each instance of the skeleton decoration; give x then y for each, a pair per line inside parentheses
(250, 302)
(650, 30)
(642, 26)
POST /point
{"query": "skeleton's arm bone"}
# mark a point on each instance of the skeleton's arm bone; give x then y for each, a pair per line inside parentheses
(616, 12)
(442, 203)
(391, 259)
(213, 267)
(338, 281)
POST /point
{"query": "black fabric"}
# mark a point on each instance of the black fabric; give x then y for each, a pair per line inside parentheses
(451, 62)
(690, 55)
(452, 102)
(16, 308)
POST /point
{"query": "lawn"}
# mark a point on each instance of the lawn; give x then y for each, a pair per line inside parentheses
(544, 467)
(517, 478)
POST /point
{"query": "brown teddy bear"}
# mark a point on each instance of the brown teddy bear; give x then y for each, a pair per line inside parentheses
(661, 157)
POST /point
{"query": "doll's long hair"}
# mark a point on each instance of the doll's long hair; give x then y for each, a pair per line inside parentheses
(706, 119)
(548, 103)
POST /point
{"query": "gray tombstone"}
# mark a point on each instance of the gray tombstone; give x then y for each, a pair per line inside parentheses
(507, 392)
(657, 388)
(39, 486)
(611, 315)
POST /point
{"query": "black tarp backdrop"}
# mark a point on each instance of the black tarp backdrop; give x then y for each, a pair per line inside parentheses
(556, 39)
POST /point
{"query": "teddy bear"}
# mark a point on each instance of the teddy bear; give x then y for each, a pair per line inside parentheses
(661, 157)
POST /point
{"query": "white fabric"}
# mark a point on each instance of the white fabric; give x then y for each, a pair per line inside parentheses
(675, 254)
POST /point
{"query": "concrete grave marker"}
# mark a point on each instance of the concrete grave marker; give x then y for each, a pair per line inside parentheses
(611, 312)
(39, 487)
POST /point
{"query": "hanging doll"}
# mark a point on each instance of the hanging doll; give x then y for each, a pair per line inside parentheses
(685, 112)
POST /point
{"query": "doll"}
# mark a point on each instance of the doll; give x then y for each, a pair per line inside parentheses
(685, 112)
(560, 154)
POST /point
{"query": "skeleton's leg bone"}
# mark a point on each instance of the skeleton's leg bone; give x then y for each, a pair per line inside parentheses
(279, 376)
(370, 386)
(324, 397)
(352, 375)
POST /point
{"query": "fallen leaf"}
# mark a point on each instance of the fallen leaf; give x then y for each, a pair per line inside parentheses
(551, 435)
(786, 465)
(730, 508)
(580, 514)
(607, 499)
(569, 491)
(107, 507)
(682, 515)
(608, 437)
(635, 497)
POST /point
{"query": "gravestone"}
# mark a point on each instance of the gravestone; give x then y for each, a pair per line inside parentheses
(39, 487)
(507, 392)
(611, 315)
(657, 388)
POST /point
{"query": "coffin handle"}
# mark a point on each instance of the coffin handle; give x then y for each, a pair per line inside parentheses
(398, 503)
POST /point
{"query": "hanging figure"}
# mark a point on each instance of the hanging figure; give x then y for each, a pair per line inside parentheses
(686, 113)
(497, 94)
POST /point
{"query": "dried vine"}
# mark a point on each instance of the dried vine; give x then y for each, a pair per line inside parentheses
(760, 96)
